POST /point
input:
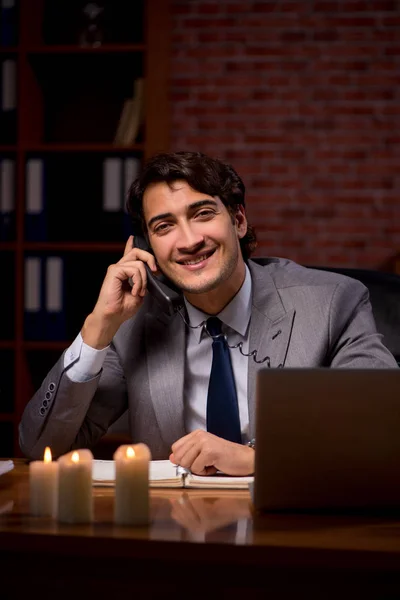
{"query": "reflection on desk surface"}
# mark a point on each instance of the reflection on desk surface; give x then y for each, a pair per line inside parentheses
(203, 514)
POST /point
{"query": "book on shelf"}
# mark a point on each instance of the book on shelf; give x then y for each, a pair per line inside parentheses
(164, 474)
(123, 122)
(131, 116)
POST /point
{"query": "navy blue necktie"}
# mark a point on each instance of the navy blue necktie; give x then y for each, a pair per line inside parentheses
(222, 405)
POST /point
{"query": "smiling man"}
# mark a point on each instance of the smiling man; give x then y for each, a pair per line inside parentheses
(196, 243)
(187, 379)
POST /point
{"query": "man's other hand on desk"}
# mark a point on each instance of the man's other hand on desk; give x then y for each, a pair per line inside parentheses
(205, 454)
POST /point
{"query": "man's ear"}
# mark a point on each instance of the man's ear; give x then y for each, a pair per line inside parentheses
(241, 221)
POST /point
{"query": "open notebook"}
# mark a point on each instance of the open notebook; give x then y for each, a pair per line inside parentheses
(164, 473)
(5, 466)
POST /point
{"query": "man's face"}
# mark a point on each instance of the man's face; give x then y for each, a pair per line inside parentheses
(194, 238)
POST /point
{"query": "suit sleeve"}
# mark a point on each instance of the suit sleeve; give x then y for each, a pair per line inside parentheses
(65, 415)
(354, 340)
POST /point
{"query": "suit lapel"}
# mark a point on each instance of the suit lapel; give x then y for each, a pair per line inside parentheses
(165, 348)
(270, 331)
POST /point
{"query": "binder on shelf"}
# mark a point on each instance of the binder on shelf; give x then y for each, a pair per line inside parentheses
(112, 183)
(35, 214)
(54, 299)
(118, 175)
(33, 313)
(7, 199)
(8, 101)
(44, 299)
(132, 115)
(8, 23)
(131, 172)
(9, 85)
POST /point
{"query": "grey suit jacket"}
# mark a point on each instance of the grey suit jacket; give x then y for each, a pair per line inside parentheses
(300, 318)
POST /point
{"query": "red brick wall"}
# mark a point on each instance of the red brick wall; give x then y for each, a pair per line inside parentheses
(303, 99)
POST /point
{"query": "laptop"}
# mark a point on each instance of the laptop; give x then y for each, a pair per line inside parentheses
(327, 440)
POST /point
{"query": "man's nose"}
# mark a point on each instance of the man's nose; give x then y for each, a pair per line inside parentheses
(189, 240)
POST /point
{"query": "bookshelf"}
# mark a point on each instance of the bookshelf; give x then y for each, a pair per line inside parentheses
(56, 136)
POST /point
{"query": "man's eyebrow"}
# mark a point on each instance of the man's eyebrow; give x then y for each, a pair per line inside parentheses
(159, 218)
(193, 206)
(201, 203)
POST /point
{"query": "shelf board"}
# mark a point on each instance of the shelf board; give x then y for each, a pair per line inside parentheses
(75, 246)
(7, 345)
(8, 49)
(43, 345)
(82, 148)
(75, 49)
(8, 148)
(7, 417)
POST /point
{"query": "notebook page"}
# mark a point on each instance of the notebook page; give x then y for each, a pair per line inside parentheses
(162, 473)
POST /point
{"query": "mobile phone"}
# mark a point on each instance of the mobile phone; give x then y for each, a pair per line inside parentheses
(167, 295)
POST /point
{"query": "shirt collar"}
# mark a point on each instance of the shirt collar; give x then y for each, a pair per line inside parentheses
(235, 315)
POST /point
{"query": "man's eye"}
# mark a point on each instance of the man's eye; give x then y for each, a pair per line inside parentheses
(205, 213)
(162, 227)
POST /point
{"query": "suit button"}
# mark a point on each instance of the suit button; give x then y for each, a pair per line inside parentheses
(42, 410)
(52, 387)
(47, 395)
(44, 403)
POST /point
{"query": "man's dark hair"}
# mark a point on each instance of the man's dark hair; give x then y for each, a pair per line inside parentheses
(204, 174)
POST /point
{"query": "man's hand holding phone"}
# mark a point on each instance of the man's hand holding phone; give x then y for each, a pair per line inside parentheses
(118, 299)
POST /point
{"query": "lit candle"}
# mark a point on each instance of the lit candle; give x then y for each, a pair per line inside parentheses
(75, 501)
(43, 479)
(132, 485)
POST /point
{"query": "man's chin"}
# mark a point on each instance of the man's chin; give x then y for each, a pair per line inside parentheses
(199, 287)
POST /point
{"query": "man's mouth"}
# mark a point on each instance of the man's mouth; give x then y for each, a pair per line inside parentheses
(196, 260)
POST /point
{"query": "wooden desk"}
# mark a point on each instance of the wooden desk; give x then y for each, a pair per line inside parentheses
(197, 543)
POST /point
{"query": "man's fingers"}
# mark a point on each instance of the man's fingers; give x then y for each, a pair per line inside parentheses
(134, 271)
(138, 279)
(128, 245)
(133, 253)
(186, 455)
(200, 466)
(181, 442)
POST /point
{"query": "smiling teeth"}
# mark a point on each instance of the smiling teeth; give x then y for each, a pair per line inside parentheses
(198, 260)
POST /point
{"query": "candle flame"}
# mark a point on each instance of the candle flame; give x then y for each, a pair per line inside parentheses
(47, 455)
(75, 457)
(130, 453)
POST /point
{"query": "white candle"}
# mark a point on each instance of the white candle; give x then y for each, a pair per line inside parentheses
(75, 501)
(43, 480)
(132, 484)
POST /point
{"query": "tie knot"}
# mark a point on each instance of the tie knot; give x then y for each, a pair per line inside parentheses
(214, 326)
